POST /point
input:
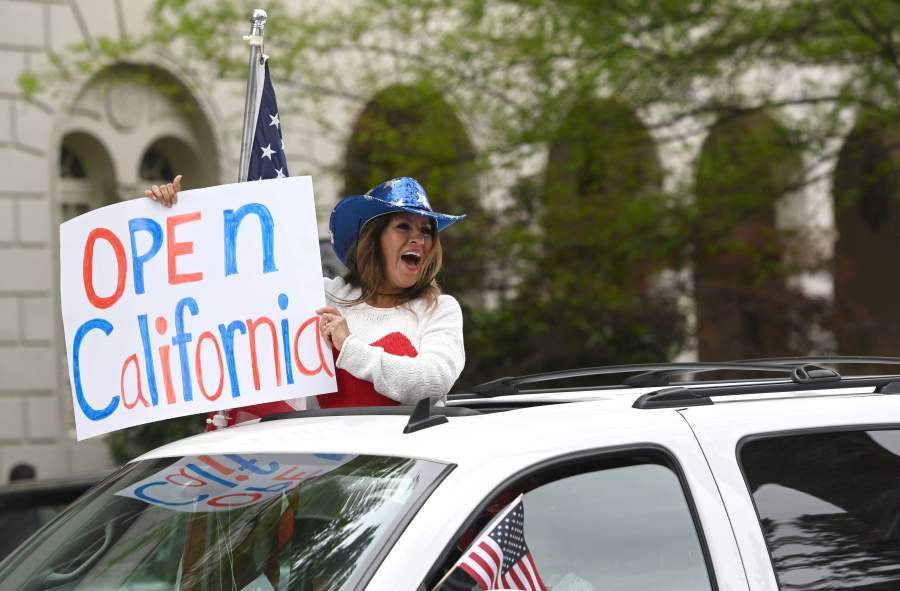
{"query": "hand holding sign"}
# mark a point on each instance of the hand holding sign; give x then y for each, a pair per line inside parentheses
(167, 193)
(208, 305)
(334, 326)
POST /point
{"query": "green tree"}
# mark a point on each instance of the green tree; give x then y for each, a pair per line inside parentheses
(575, 252)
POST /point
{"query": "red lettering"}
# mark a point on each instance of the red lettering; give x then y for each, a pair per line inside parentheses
(175, 249)
(217, 501)
(88, 268)
(215, 465)
(251, 330)
(197, 363)
(167, 373)
(323, 365)
(171, 478)
(286, 475)
(163, 350)
(140, 392)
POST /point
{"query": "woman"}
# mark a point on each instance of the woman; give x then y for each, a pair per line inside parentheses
(396, 338)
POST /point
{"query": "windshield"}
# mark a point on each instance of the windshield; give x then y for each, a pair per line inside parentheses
(235, 521)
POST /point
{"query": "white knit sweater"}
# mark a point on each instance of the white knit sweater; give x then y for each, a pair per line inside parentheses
(434, 334)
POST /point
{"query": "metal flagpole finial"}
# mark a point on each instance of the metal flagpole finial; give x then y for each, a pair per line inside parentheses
(254, 86)
(257, 26)
(258, 18)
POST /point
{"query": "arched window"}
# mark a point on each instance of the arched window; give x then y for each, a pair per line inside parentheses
(601, 160)
(70, 164)
(599, 256)
(867, 216)
(87, 178)
(740, 286)
(155, 166)
(168, 156)
(413, 131)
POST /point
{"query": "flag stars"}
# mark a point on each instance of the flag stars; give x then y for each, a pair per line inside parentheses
(267, 158)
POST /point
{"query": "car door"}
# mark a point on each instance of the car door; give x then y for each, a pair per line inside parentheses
(812, 486)
(633, 507)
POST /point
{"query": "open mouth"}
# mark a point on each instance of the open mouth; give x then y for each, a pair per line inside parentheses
(411, 260)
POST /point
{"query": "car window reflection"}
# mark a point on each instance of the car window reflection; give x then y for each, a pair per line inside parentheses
(829, 507)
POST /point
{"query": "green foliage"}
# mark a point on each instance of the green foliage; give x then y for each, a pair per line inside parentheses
(572, 101)
(129, 443)
(30, 84)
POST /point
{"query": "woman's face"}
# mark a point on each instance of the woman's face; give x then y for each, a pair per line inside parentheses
(405, 242)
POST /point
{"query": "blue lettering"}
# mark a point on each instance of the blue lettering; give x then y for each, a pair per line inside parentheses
(137, 261)
(286, 340)
(271, 488)
(210, 475)
(228, 343)
(148, 359)
(90, 412)
(250, 465)
(139, 493)
(233, 221)
(181, 339)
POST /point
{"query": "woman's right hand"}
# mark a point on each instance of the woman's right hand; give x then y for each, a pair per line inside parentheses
(166, 194)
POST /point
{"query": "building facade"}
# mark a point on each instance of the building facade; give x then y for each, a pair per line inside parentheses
(146, 118)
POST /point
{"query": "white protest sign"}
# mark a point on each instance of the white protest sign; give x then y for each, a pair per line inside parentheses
(209, 483)
(206, 305)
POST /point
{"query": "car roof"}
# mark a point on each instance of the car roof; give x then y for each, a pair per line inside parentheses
(527, 422)
(462, 439)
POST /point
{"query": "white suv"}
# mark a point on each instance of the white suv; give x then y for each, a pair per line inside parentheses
(662, 480)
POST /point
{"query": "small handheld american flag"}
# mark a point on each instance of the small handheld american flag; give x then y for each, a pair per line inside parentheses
(499, 557)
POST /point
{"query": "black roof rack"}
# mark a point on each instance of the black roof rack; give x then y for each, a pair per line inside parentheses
(800, 370)
(654, 374)
(797, 374)
(698, 395)
(661, 377)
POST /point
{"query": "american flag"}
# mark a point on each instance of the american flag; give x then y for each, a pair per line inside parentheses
(499, 557)
(267, 159)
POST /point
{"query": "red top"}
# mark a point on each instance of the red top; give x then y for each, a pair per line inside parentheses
(352, 391)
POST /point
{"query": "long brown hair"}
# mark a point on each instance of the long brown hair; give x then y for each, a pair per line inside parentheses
(365, 265)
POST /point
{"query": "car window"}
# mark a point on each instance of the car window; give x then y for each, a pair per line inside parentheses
(608, 528)
(829, 507)
(308, 522)
(26, 506)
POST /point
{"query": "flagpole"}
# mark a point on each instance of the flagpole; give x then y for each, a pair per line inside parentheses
(251, 106)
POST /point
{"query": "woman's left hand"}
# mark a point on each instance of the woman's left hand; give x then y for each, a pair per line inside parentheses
(333, 326)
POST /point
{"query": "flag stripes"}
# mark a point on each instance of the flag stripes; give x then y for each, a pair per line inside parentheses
(499, 557)
(485, 563)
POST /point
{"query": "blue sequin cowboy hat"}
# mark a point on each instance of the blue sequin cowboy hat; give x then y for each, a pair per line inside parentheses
(402, 194)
